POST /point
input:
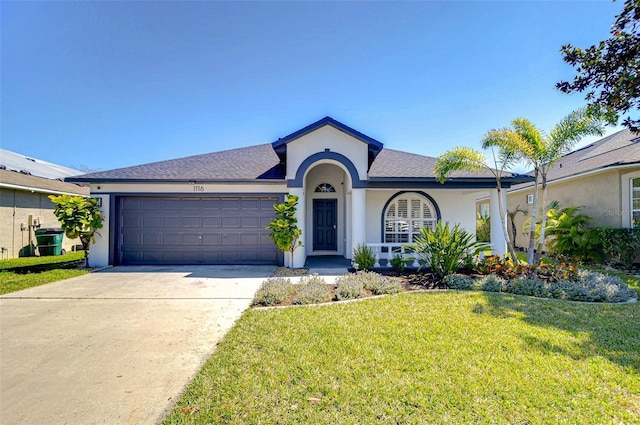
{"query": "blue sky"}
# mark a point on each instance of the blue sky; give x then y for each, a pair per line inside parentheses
(112, 84)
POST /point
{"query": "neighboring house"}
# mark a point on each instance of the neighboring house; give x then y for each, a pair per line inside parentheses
(603, 177)
(213, 208)
(25, 184)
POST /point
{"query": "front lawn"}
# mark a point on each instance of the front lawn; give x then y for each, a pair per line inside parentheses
(36, 261)
(434, 357)
(10, 281)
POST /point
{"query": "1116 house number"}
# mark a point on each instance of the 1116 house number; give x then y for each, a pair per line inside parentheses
(197, 188)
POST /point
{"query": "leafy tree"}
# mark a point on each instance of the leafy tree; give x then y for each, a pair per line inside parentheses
(542, 151)
(284, 228)
(80, 218)
(504, 155)
(609, 70)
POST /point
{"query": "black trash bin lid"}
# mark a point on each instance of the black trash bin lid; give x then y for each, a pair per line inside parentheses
(49, 230)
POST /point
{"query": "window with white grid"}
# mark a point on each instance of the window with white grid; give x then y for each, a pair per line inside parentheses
(406, 215)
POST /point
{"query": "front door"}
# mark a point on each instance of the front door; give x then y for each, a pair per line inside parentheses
(324, 225)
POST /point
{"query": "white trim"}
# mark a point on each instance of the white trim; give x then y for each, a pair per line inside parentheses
(530, 199)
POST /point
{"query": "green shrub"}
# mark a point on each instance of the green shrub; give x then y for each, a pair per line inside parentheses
(398, 263)
(377, 283)
(593, 286)
(312, 290)
(456, 281)
(620, 245)
(348, 288)
(571, 235)
(446, 249)
(588, 286)
(491, 283)
(273, 291)
(532, 286)
(363, 257)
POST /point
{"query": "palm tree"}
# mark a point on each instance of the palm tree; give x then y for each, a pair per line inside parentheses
(512, 219)
(542, 151)
(504, 156)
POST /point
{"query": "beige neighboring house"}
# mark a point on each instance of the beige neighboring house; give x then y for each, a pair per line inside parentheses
(25, 184)
(603, 177)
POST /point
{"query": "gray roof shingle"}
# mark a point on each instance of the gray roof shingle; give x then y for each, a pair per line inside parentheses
(392, 163)
(258, 162)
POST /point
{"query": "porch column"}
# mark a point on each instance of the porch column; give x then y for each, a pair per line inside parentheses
(497, 233)
(300, 254)
(358, 218)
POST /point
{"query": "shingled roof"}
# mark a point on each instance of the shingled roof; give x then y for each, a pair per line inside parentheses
(16, 180)
(266, 163)
(618, 149)
(252, 163)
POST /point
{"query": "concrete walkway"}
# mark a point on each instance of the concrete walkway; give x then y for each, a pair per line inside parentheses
(117, 346)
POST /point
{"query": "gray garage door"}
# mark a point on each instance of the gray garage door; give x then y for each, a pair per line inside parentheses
(203, 230)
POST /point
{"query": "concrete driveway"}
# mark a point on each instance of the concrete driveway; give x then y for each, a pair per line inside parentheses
(116, 346)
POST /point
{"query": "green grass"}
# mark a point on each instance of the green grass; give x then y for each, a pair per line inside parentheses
(32, 261)
(11, 282)
(415, 358)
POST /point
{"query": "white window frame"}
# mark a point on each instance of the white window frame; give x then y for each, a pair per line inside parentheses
(627, 199)
(530, 199)
(405, 215)
(634, 195)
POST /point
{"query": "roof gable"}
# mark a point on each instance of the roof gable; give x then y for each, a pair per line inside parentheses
(373, 146)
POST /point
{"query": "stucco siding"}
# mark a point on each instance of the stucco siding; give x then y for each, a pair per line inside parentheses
(327, 138)
(15, 208)
(599, 194)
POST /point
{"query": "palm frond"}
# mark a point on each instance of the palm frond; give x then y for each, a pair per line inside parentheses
(572, 128)
(457, 159)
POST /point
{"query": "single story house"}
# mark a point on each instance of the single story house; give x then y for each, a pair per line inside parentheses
(213, 208)
(25, 186)
(602, 177)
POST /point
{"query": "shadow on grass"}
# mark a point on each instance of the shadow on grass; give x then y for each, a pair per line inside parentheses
(598, 329)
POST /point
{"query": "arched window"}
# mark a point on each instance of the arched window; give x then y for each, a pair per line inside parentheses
(325, 188)
(406, 215)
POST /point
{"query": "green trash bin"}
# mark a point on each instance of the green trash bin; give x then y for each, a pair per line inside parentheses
(49, 241)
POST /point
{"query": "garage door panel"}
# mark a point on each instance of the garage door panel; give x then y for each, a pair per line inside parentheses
(191, 239)
(191, 222)
(149, 221)
(250, 222)
(171, 238)
(230, 222)
(171, 204)
(202, 230)
(170, 222)
(230, 239)
(250, 204)
(208, 221)
(213, 239)
(152, 204)
(249, 239)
